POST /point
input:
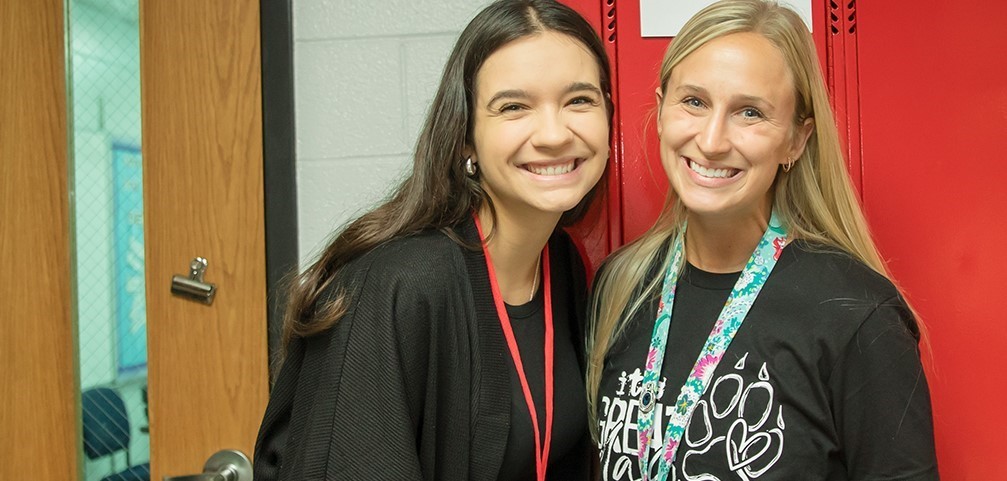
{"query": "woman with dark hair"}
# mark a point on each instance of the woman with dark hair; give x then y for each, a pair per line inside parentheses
(440, 336)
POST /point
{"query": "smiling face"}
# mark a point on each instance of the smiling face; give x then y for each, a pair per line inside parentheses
(726, 125)
(540, 134)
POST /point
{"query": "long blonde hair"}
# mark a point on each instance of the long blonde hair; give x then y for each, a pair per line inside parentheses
(815, 199)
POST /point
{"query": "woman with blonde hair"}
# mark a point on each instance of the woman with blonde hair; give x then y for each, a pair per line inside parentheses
(753, 331)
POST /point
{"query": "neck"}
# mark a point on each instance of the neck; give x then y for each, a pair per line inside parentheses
(721, 245)
(515, 246)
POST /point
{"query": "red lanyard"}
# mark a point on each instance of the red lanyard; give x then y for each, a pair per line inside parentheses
(541, 453)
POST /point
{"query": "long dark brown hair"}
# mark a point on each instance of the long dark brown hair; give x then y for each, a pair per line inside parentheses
(438, 194)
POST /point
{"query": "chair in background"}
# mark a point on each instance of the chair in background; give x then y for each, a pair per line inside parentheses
(146, 411)
(106, 431)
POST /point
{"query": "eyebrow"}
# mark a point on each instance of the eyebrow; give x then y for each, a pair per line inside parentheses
(581, 87)
(751, 99)
(523, 94)
(508, 94)
(691, 89)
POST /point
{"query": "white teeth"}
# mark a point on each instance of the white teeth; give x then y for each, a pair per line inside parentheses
(712, 173)
(552, 169)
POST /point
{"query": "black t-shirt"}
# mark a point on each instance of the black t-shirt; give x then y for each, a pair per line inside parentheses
(823, 380)
(567, 455)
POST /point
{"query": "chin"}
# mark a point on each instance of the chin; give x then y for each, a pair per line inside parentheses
(560, 203)
(559, 209)
(706, 207)
(555, 208)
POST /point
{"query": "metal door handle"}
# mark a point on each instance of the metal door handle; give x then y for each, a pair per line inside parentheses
(193, 286)
(226, 465)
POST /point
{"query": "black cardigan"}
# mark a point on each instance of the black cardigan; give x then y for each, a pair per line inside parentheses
(413, 381)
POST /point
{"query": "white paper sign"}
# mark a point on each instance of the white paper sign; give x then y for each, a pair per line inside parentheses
(664, 18)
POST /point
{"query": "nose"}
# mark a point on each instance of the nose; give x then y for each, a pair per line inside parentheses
(551, 131)
(712, 137)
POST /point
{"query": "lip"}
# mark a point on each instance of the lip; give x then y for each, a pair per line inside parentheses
(712, 182)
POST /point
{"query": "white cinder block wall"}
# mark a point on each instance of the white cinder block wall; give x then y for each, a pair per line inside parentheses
(365, 72)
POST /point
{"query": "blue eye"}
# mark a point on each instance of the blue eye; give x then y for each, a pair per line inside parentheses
(752, 113)
(693, 102)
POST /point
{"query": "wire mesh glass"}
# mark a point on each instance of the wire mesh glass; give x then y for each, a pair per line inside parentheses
(107, 197)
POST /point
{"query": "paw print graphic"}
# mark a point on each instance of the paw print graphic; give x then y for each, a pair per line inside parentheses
(751, 442)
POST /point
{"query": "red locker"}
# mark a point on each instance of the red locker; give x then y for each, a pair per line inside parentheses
(933, 109)
(920, 95)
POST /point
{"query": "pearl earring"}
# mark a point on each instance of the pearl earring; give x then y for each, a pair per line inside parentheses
(470, 167)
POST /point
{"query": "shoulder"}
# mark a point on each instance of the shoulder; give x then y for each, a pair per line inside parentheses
(827, 271)
(407, 286)
(838, 290)
(413, 269)
(639, 261)
(425, 259)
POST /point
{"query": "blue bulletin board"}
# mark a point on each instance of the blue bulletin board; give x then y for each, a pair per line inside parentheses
(130, 290)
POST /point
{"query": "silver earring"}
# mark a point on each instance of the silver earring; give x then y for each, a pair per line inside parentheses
(470, 167)
(790, 164)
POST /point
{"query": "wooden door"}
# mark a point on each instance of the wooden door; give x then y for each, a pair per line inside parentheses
(202, 150)
(203, 196)
(37, 380)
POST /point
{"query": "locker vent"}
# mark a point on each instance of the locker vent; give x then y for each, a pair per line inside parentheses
(610, 15)
(843, 17)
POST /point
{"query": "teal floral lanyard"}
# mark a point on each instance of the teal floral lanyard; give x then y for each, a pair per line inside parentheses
(752, 278)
